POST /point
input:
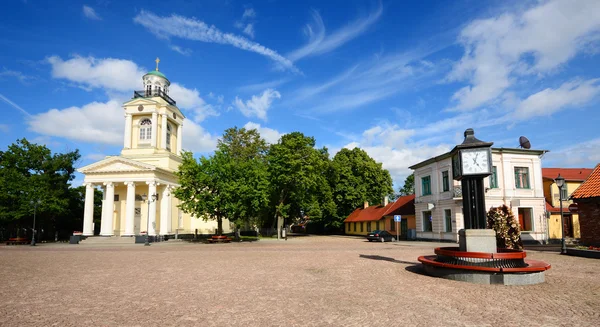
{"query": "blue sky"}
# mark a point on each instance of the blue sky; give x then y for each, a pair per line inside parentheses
(401, 80)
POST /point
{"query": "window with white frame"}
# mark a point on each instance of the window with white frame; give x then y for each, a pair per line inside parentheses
(494, 177)
(145, 130)
(426, 185)
(564, 194)
(445, 181)
(522, 177)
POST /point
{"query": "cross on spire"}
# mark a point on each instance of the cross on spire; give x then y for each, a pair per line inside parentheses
(157, 61)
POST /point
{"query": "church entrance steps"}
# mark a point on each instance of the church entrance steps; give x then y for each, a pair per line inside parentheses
(108, 240)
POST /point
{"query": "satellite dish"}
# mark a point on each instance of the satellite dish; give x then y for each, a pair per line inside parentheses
(524, 142)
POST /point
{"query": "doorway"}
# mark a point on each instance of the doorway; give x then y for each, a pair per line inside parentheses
(568, 226)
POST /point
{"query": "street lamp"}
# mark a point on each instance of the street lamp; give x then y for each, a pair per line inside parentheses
(560, 183)
(35, 205)
(152, 199)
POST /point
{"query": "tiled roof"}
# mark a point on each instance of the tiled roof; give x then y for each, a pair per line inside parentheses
(590, 188)
(569, 174)
(550, 208)
(403, 205)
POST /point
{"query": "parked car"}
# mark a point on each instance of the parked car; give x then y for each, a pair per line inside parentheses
(380, 235)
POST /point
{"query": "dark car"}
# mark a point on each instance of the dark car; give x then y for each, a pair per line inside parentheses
(380, 235)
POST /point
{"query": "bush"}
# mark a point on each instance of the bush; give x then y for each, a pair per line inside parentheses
(506, 226)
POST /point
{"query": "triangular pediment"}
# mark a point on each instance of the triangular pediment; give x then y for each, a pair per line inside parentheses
(138, 101)
(116, 164)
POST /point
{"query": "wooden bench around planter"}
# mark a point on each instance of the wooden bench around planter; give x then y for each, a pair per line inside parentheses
(17, 241)
(219, 239)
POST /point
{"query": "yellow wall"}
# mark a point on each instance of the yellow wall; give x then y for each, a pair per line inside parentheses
(384, 223)
(551, 193)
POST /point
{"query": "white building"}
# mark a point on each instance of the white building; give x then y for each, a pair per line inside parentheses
(146, 165)
(516, 181)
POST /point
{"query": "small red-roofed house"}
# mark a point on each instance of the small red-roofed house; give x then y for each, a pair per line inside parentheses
(587, 197)
(573, 178)
(381, 217)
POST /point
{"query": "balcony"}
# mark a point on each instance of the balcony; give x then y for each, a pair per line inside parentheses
(155, 93)
(457, 191)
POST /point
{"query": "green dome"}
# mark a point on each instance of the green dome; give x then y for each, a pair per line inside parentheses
(157, 73)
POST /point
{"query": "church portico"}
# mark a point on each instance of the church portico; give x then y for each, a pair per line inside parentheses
(146, 165)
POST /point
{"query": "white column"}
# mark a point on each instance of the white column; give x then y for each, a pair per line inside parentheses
(130, 209)
(128, 127)
(88, 211)
(163, 134)
(165, 200)
(151, 229)
(108, 210)
(179, 138)
(154, 128)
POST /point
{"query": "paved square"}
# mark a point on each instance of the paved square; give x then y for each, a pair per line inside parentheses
(309, 281)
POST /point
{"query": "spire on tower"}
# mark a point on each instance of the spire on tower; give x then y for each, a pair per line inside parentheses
(157, 61)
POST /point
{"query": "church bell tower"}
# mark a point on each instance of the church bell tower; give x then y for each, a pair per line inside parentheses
(153, 123)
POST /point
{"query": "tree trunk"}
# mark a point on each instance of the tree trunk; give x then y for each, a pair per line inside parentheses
(219, 225)
(279, 227)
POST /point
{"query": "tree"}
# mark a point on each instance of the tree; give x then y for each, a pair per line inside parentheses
(232, 183)
(409, 185)
(298, 178)
(30, 172)
(357, 178)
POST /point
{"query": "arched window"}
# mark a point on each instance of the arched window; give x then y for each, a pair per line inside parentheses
(166, 89)
(148, 89)
(145, 130)
(168, 136)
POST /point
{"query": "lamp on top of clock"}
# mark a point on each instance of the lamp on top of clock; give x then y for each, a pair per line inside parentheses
(471, 163)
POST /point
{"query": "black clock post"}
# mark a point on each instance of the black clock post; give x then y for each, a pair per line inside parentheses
(471, 163)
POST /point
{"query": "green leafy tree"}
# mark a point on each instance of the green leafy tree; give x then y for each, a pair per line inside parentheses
(357, 178)
(231, 184)
(409, 185)
(30, 172)
(298, 178)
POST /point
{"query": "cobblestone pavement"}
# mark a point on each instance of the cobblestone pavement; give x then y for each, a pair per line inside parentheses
(309, 281)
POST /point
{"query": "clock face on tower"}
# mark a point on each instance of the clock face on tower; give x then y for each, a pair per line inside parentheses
(475, 161)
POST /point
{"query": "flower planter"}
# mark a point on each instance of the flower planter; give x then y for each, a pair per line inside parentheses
(584, 253)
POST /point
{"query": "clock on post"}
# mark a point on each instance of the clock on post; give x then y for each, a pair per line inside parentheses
(471, 163)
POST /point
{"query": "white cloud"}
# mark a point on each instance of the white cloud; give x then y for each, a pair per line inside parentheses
(193, 29)
(549, 101)
(249, 30)
(197, 139)
(583, 154)
(249, 13)
(191, 100)
(24, 79)
(90, 13)
(94, 156)
(258, 105)
(180, 50)
(395, 149)
(95, 122)
(538, 41)
(270, 135)
(90, 72)
(320, 43)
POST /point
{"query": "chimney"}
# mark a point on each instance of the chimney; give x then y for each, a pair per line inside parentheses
(366, 205)
(385, 201)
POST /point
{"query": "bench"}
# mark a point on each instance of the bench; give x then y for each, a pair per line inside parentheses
(219, 239)
(17, 241)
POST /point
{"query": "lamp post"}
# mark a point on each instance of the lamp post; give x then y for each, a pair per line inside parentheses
(35, 205)
(560, 183)
(152, 199)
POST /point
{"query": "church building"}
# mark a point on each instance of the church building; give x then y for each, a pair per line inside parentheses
(138, 183)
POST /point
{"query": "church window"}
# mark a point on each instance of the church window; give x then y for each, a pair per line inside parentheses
(168, 136)
(145, 130)
(148, 90)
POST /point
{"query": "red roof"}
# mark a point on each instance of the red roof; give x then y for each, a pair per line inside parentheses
(403, 205)
(569, 174)
(590, 188)
(550, 208)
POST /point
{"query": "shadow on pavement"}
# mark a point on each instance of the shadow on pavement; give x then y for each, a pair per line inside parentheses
(378, 257)
(416, 269)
